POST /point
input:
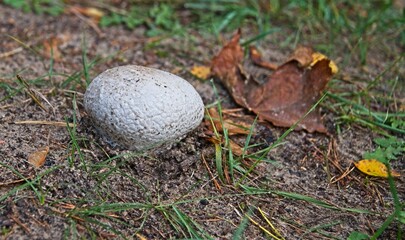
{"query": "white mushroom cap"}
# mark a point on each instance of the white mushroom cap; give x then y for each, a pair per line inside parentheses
(139, 107)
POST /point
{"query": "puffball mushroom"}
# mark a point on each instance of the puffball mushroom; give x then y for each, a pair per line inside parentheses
(139, 107)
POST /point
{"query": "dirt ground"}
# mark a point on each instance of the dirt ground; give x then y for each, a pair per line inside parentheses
(172, 177)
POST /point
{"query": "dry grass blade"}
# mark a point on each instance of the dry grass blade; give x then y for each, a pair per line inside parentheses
(68, 206)
(270, 224)
(31, 92)
(16, 181)
(12, 52)
(57, 124)
(43, 98)
(140, 236)
(263, 228)
(23, 226)
(232, 126)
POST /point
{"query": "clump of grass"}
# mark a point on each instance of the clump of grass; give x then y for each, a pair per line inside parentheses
(75, 147)
(359, 106)
(352, 112)
(182, 223)
(159, 19)
(93, 214)
(224, 15)
(33, 184)
(51, 7)
(272, 230)
(389, 149)
(226, 161)
(362, 24)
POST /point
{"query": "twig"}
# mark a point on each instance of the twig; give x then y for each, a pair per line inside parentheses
(16, 220)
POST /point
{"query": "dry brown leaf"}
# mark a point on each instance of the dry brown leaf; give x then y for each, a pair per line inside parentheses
(214, 139)
(37, 158)
(256, 58)
(303, 55)
(289, 92)
(227, 67)
(233, 127)
(236, 149)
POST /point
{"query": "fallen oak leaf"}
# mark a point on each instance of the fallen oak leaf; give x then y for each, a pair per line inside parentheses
(289, 92)
(374, 168)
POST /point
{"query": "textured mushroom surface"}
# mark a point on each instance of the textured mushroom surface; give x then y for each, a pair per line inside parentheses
(139, 107)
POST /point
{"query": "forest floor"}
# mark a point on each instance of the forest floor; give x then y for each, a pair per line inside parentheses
(307, 186)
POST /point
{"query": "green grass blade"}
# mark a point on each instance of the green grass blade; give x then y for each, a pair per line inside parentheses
(28, 183)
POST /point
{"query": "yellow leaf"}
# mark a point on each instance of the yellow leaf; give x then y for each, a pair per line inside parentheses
(202, 72)
(38, 157)
(91, 12)
(374, 168)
